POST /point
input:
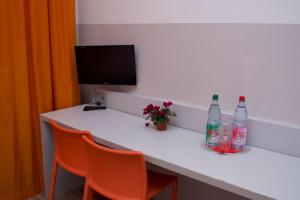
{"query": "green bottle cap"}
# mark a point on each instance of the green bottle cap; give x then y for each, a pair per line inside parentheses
(215, 97)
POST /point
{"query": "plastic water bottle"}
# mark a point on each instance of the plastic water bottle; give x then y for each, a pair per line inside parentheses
(239, 126)
(213, 123)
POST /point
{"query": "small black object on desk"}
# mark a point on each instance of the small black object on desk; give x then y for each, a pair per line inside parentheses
(94, 107)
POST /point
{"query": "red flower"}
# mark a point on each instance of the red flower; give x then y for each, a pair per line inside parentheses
(167, 104)
(158, 114)
(148, 109)
(156, 107)
(161, 113)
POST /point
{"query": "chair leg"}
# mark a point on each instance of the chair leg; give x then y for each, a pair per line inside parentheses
(86, 191)
(91, 194)
(53, 179)
(174, 190)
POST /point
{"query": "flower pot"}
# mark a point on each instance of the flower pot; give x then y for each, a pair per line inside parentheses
(162, 126)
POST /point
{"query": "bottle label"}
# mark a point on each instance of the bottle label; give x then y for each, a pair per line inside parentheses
(239, 138)
(212, 134)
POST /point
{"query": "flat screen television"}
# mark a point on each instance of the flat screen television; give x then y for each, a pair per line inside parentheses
(108, 65)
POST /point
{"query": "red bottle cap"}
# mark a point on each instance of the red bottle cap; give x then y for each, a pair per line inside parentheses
(242, 98)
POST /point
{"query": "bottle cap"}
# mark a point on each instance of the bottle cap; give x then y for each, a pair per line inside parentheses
(242, 98)
(215, 97)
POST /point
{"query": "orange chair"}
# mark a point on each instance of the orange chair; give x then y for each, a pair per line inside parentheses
(122, 175)
(69, 152)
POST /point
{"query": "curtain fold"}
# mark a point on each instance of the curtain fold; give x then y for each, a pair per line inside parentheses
(62, 34)
(37, 74)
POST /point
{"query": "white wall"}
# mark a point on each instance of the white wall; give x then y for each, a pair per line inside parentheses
(260, 61)
(188, 11)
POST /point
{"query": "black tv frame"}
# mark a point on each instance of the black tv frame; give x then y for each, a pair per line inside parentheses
(131, 76)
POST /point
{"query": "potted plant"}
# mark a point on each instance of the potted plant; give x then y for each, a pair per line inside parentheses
(159, 115)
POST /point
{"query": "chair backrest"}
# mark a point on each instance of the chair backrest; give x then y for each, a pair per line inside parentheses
(116, 174)
(70, 149)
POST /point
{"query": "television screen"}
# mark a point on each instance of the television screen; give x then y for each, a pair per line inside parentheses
(111, 65)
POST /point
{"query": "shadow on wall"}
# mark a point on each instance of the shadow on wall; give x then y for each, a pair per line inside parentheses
(194, 190)
(86, 90)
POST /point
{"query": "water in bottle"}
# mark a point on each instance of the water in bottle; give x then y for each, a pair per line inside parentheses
(239, 126)
(225, 137)
(213, 123)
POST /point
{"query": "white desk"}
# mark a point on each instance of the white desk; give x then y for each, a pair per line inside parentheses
(257, 174)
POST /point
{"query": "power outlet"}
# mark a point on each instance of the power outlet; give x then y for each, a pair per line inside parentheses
(98, 98)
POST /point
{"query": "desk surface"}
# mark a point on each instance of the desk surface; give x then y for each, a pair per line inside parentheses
(257, 174)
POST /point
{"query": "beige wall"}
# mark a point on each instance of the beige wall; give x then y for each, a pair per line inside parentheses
(234, 47)
(189, 62)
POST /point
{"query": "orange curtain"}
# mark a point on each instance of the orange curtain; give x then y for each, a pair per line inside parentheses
(37, 74)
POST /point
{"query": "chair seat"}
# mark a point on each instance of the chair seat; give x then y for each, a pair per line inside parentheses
(122, 174)
(157, 182)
